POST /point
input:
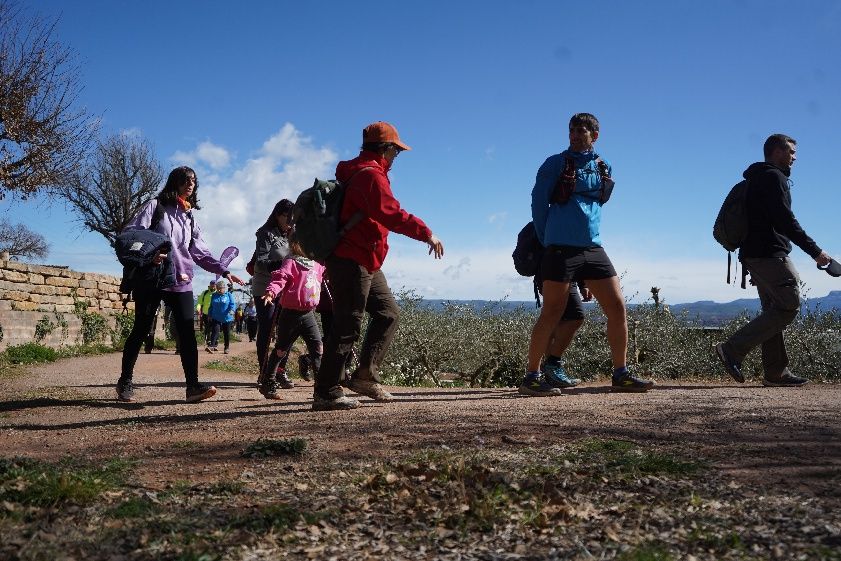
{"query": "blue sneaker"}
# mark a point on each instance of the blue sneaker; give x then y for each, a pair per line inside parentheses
(534, 384)
(556, 376)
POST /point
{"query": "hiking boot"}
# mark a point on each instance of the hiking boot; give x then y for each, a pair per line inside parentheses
(534, 385)
(337, 404)
(369, 388)
(270, 390)
(304, 367)
(787, 380)
(627, 382)
(556, 376)
(125, 390)
(209, 349)
(200, 392)
(733, 368)
(225, 351)
(283, 379)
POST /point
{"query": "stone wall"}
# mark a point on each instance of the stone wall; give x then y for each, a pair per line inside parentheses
(29, 293)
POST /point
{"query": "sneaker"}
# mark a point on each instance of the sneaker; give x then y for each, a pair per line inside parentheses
(304, 367)
(225, 351)
(627, 382)
(534, 384)
(283, 379)
(556, 376)
(733, 368)
(125, 391)
(787, 380)
(200, 392)
(370, 389)
(208, 349)
(270, 390)
(337, 404)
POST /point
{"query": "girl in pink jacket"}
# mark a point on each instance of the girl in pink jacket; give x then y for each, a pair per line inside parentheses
(298, 284)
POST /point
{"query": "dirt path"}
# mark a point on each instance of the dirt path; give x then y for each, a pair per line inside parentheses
(773, 437)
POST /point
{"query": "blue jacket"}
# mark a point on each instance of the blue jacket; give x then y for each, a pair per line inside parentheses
(222, 306)
(575, 223)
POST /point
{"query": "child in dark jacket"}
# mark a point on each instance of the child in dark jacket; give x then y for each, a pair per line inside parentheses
(298, 285)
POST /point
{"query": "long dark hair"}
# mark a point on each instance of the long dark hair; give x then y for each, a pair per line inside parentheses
(283, 206)
(177, 179)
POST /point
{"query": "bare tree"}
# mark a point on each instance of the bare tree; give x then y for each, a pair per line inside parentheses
(108, 192)
(43, 137)
(19, 241)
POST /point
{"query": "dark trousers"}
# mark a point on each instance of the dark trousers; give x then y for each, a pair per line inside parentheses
(292, 324)
(778, 285)
(264, 329)
(216, 326)
(356, 291)
(251, 327)
(145, 306)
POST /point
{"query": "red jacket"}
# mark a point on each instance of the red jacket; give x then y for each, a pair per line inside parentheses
(370, 191)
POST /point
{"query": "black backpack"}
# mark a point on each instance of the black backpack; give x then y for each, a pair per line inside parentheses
(527, 257)
(316, 217)
(731, 225)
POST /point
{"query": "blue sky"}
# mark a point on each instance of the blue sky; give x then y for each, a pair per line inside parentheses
(260, 97)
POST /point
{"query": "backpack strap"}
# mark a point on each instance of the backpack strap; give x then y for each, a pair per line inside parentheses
(158, 214)
(356, 216)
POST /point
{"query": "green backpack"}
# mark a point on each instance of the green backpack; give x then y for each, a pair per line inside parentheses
(315, 217)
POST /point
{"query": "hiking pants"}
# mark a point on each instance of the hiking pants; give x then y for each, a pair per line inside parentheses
(778, 285)
(356, 291)
(264, 328)
(292, 324)
(216, 326)
(183, 308)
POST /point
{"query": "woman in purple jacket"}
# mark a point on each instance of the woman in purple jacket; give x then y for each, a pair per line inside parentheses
(177, 201)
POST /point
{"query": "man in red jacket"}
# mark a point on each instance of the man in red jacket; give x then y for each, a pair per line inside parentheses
(356, 281)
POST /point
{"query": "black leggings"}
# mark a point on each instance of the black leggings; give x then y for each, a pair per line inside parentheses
(292, 324)
(225, 326)
(145, 306)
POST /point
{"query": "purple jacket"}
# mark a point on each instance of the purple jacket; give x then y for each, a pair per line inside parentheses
(175, 223)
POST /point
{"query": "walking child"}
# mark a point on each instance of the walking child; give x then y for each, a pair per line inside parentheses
(298, 285)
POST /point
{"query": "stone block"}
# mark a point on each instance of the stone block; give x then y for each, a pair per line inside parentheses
(63, 309)
(14, 276)
(15, 266)
(44, 289)
(35, 278)
(84, 283)
(45, 270)
(81, 292)
(25, 306)
(63, 291)
(71, 274)
(14, 295)
(61, 281)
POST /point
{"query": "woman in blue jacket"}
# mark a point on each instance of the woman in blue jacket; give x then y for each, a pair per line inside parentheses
(221, 312)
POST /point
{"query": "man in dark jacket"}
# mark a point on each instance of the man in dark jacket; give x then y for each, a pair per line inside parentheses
(764, 254)
(357, 283)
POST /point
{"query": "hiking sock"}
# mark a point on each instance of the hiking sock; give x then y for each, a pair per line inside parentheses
(553, 360)
(619, 372)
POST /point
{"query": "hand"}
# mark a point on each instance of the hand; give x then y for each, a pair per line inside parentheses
(435, 246)
(823, 259)
(233, 278)
(267, 299)
(159, 258)
(586, 295)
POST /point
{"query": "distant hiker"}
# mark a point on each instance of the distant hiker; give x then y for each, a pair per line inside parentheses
(297, 284)
(272, 248)
(202, 307)
(221, 312)
(764, 254)
(239, 318)
(251, 320)
(567, 200)
(356, 280)
(177, 201)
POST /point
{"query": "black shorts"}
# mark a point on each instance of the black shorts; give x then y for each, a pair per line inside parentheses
(563, 263)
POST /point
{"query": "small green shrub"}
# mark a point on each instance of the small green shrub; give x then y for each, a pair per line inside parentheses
(264, 447)
(30, 353)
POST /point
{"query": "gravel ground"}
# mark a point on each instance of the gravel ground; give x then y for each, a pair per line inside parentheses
(780, 438)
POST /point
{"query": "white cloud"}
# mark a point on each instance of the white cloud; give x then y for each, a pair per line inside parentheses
(497, 217)
(206, 153)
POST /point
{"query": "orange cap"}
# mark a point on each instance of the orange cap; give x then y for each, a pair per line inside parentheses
(382, 132)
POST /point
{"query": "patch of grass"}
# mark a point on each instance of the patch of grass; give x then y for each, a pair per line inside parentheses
(241, 364)
(10, 370)
(164, 344)
(264, 447)
(55, 393)
(30, 353)
(70, 351)
(647, 552)
(226, 487)
(627, 459)
(34, 483)
(274, 516)
(135, 507)
(185, 444)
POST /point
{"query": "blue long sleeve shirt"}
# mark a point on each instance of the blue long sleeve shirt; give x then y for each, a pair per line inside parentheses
(575, 223)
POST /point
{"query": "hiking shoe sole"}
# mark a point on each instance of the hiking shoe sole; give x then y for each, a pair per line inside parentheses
(340, 404)
(630, 389)
(206, 394)
(782, 384)
(728, 364)
(525, 390)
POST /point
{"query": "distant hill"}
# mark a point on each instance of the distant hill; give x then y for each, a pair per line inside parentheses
(706, 311)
